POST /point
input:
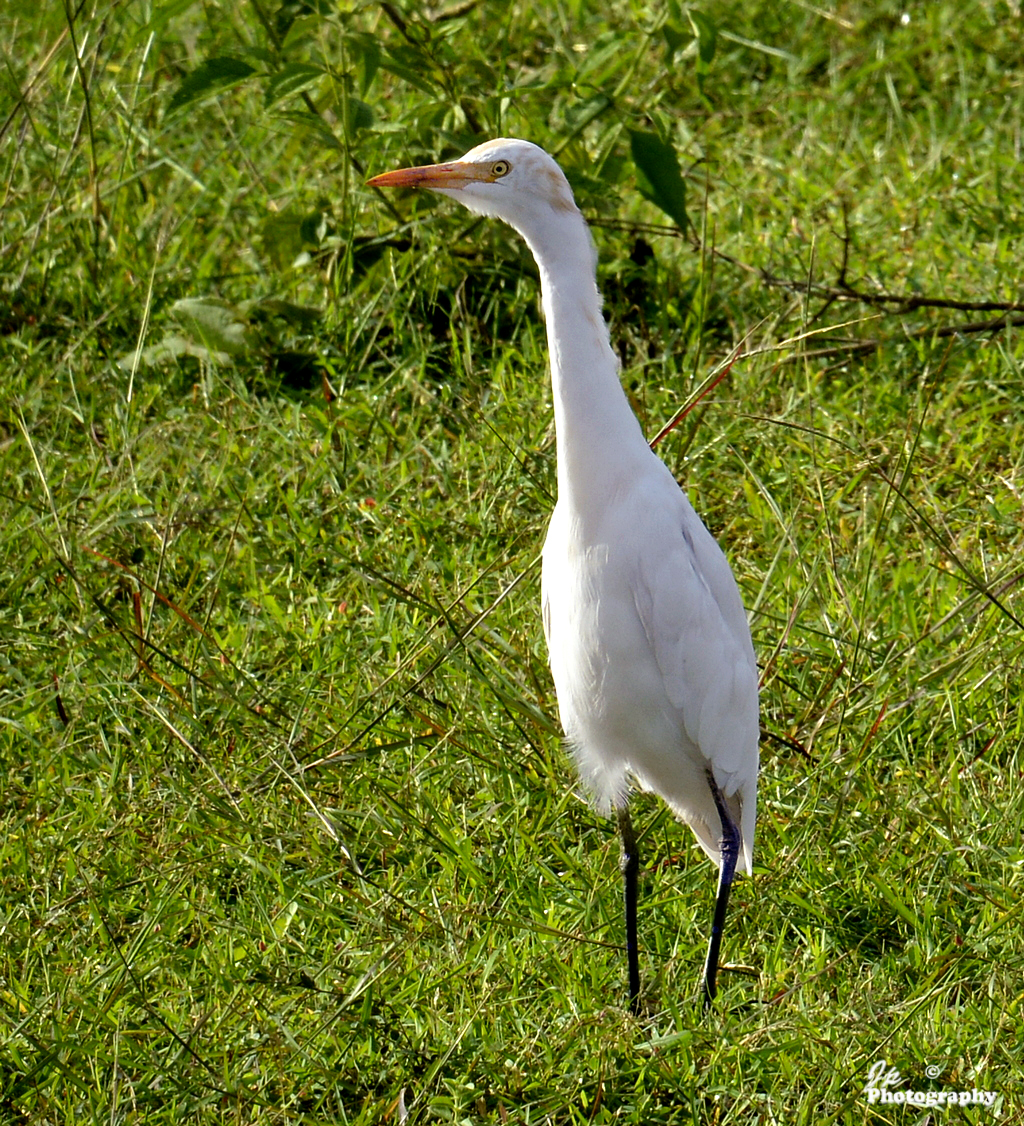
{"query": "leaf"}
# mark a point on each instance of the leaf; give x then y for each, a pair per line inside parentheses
(296, 31)
(360, 115)
(319, 128)
(707, 36)
(410, 65)
(674, 40)
(302, 317)
(284, 919)
(581, 114)
(658, 175)
(172, 347)
(606, 48)
(366, 50)
(218, 324)
(283, 239)
(290, 80)
(212, 76)
(162, 14)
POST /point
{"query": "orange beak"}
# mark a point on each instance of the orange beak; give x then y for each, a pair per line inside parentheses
(454, 175)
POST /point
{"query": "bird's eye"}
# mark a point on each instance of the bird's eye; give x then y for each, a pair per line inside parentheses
(500, 168)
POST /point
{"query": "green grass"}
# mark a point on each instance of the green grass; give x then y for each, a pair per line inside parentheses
(286, 830)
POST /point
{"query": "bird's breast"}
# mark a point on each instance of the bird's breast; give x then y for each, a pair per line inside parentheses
(605, 673)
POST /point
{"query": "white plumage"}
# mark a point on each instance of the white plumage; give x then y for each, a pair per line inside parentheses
(649, 644)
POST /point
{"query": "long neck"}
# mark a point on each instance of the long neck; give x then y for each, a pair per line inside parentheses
(599, 437)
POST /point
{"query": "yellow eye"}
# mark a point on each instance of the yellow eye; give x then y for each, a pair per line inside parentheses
(500, 168)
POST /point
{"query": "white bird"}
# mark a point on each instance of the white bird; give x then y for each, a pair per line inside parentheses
(649, 645)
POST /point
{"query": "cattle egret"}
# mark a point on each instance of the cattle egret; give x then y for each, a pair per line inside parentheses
(649, 644)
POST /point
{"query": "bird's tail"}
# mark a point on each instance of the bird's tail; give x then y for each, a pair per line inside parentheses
(708, 837)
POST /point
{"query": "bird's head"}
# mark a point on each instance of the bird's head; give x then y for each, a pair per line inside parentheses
(510, 179)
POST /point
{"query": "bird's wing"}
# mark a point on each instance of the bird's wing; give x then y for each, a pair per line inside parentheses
(692, 614)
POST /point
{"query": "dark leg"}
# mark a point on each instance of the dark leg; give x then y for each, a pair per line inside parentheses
(630, 865)
(730, 851)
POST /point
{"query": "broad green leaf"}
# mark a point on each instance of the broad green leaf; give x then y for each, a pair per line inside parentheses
(218, 324)
(290, 80)
(172, 347)
(283, 239)
(210, 77)
(707, 36)
(296, 31)
(162, 14)
(608, 48)
(317, 126)
(360, 116)
(366, 52)
(412, 66)
(674, 40)
(302, 317)
(658, 175)
(582, 113)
